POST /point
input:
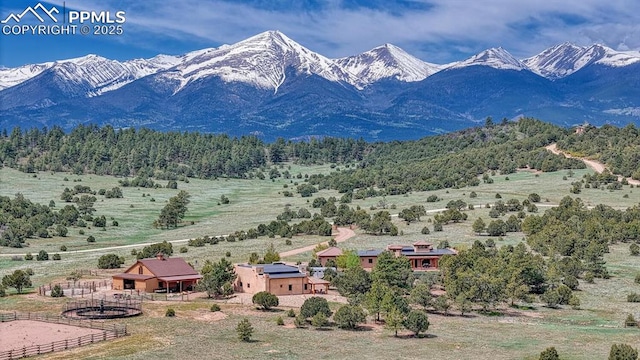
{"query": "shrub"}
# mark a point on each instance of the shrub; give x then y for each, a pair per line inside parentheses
(183, 249)
(349, 316)
(425, 231)
(244, 329)
(57, 291)
(91, 239)
(63, 248)
(319, 320)
(215, 307)
(110, 261)
(549, 354)
(228, 254)
(551, 298)
(630, 321)
(574, 302)
(588, 277)
(565, 294)
(42, 256)
(637, 279)
(28, 256)
(634, 249)
(170, 313)
(279, 321)
(3, 292)
(56, 256)
(571, 281)
(623, 352)
(300, 321)
(314, 305)
(265, 299)
(416, 321)
(633, 297)
(291, 313)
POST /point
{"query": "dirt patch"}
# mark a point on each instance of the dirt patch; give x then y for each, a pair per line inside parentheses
(24, 333)
(205, 315)
(343, 234)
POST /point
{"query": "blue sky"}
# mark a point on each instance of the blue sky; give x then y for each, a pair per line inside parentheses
(437, 31)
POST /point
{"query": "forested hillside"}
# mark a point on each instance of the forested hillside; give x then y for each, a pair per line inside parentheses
(619, 148)
(451, 160)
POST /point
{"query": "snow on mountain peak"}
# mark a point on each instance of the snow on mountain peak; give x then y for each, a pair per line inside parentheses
(563, 60)
(261, 60)
(13, 76)
(387, 61)
(497, 58)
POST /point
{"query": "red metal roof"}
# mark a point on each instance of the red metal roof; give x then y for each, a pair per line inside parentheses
(133, 276)
(332, 251)
(166, 267)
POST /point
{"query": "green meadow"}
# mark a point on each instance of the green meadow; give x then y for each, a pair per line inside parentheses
(512, 334)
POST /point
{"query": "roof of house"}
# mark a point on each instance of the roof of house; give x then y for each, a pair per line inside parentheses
(371, 252)
(275, 268)
(166, 267)
(287, 275)
(133, 276)
(332, 251)
(422, 243)
(313, 280)
(410, 251)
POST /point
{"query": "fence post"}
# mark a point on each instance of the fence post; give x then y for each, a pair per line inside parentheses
(66, 344)
(38, 349)
(104, 334)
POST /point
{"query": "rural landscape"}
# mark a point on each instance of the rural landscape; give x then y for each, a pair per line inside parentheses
(535, 227)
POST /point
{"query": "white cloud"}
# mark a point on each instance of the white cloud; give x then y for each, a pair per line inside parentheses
(522, 27)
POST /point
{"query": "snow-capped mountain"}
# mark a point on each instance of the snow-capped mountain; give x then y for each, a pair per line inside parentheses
(565, 59)
(497, 58)
(262, 61)
(387, 61)
(13, 76)
(95, 75)
(271, 85)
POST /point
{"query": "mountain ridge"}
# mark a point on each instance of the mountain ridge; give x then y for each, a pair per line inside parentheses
(269, 84)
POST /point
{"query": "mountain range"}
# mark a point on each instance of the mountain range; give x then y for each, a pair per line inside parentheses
(271, 86)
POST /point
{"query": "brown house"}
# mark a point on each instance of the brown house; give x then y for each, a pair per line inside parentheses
(161, 274)
(327, 254)
(276, 278)
(422, 255)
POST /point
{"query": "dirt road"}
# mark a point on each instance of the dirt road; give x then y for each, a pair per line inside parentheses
(595, 165)
(342, 235)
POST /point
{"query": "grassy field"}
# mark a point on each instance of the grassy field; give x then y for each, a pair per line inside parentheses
(577, 334)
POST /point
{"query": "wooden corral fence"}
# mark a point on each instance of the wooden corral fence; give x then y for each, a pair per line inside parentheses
(109, 331)
(79, 288)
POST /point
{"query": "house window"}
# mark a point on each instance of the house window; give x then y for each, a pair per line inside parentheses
(290, 287)
(305, 286)
(370, 261)
(280, 285)
(240, 283)
(140, 270)
(248, 285)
